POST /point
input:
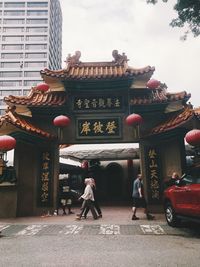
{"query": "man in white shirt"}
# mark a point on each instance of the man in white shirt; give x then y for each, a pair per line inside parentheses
(88, 199)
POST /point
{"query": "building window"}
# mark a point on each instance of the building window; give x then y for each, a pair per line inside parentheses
(11, 74)
(26, 92)
(13, 21)
(11, 55)
(14, 4)
(37, 12)
(37, 21)
(12, 47)
(11, 38)
(10, 92)
(31, 73)
(37, 4)
(36, 38)
(36, 55)
(10, 83)
(32, 83)
(14, 12)
(10, 64)
(36, 29)
(35, 64)
(36, 46)
(13, 29)
(2, 103)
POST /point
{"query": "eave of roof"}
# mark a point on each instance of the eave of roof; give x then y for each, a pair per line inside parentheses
(19, 122)
(174, 121)
(158, 97)
(38, 99)
(96, 72)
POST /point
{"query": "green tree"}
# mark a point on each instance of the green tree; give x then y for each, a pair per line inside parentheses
(188, 15)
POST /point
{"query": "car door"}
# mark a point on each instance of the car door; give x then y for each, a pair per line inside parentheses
(182, 196)
(195, 198)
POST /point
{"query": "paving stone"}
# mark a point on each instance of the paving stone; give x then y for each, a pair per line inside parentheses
(130, 229)
(13, 229)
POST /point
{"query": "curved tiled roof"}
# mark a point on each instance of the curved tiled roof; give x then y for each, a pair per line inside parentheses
(159, 96)
(38, 99)
(174, 121)
(77, 70)
(19, 122)
(85, 71)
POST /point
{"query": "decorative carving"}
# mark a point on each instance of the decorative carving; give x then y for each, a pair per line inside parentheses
(73, 60)
(119, 59)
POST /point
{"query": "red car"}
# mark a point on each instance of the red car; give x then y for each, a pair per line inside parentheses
(182, 201)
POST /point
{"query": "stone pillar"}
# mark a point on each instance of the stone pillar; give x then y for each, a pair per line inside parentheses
(159, 158)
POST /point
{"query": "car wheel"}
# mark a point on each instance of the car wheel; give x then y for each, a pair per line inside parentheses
(170, 215)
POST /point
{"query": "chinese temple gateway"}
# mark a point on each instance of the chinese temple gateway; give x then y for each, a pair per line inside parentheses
(88, 103)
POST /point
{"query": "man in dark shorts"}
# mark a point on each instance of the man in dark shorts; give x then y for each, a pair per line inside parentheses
(139, 200)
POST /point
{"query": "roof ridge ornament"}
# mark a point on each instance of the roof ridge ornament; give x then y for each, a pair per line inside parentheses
(73, 60)
(119, 59)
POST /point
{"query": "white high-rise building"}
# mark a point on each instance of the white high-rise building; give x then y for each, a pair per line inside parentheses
(30, 40)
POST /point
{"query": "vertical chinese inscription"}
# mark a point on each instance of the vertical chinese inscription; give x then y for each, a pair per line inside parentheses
(45, 180)
(153, 174)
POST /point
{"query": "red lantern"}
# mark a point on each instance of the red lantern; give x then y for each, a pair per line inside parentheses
(7, 142)
(134, 119)
(153, 84)
(42, 87)
(61, 121)
(193, 137)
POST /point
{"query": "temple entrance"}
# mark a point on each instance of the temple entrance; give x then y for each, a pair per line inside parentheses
(88, 103)
(113, 169)
(115, 182)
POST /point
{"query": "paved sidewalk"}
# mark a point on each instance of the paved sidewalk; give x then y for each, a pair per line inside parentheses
(111, 215)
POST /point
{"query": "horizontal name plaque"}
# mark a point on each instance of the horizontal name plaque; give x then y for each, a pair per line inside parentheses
(95, 128)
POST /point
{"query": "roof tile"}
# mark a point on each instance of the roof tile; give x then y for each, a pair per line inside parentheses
(35, 98)
(19, 122)
(174, 121)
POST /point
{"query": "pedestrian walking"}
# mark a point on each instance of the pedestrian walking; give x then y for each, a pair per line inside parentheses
(139, 200)
(96, 203)
(88, 200)
(65, 196)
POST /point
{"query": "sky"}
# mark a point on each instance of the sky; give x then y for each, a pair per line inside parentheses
(141, 31)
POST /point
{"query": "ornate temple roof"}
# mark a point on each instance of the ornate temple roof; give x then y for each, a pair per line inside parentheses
(176, 120)
(36, 98)
(16, 121)
(77, 70)
(159, 96)
(56, 96)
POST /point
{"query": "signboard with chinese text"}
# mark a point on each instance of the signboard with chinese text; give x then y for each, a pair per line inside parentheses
(45, 180)
(153, 175)
(98, 103)
(99, 128)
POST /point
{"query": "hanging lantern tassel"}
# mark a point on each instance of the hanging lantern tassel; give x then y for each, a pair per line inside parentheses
(61, 122)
